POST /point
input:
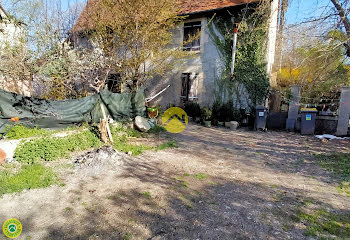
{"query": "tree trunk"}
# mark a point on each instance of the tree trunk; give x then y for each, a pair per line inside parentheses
(344, 19)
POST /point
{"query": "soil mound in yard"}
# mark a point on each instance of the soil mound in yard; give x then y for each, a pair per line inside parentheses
(103, 158)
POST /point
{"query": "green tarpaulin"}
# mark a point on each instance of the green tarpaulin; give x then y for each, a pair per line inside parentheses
(53, 114)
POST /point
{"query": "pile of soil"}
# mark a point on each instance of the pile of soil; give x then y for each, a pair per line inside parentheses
(105, 157)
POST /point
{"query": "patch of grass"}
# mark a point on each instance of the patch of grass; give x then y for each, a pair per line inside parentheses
(184, 184)
(274, 186)
(53, 148)
(169, 144)
(68, 209)
(29, 177)
(91, 209)
(286, 227)
(19, 131)
(124, 131)
(344, 188)
(117, 196)
(127, 236)
(188, 203)
(186, 174)
(146, 194)
(121, 135)
(201, 176)
(321, 223)
(338, 163)
(84, 204)
(308, 202)
(157, 129)
(121, 144)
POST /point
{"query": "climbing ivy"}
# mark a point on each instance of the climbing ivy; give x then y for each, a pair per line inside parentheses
(250, 65)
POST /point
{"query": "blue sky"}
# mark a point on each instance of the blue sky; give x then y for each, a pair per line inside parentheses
(300, 10)
(66, 2)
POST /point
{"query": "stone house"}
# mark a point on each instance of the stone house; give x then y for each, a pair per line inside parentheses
(195, 80)
(11, 32)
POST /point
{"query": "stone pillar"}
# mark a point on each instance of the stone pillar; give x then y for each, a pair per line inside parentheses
(293, 108)
(344, 112)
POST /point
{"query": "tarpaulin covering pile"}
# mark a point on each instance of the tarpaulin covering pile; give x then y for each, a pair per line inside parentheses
(54, 114)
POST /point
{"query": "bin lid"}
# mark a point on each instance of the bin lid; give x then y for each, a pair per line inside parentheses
(260, 108)
(308, 110)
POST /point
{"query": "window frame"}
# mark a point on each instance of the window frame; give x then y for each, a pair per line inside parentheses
(190, 29)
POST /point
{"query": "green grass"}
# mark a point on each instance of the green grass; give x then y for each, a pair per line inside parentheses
(146, 194)
(68, 209)
(338, 163)
(121, 141)
(157, 129)
(124, 131)
(28, 177)
(321, 223)
(344, 188)
(169, 144)
(120, 137)
(53, 148)
(127, 236)
(121, 144)
(20, 131)
(201, 176)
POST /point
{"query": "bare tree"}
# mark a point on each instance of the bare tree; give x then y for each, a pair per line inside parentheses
(343, 14)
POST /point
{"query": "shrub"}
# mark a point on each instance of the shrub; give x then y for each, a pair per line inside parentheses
(29, 177)
(192, 109)
(206, 114)
(52, 148)
(216, 112)
(226, 112)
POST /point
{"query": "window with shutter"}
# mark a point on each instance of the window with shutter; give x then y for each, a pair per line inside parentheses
(191, 38)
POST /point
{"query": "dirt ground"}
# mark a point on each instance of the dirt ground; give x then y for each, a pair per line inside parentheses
(218, 184)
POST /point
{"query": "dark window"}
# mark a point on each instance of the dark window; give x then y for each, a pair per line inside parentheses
(186, 86)
(191, 30)
(114, 83)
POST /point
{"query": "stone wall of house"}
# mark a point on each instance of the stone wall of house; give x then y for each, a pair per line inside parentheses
(204, 65)
(9, 32)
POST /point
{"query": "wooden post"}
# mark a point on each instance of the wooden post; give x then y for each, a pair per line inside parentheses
(107, 123)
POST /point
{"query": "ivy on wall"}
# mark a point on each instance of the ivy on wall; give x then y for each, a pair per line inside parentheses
(250, 65)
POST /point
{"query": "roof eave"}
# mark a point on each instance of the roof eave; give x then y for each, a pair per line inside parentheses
(213, 10)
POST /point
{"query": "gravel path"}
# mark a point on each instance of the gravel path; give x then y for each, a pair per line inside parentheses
(218, 184)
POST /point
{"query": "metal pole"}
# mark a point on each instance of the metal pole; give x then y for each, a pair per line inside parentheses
(234, 48)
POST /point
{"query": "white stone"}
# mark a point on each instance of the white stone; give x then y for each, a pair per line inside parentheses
(142, 124)
(234, 125)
